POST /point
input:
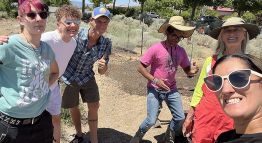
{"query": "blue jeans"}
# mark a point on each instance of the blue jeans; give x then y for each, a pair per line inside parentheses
(174, 103)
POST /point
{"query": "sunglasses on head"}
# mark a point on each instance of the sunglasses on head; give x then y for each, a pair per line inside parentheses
(238, 79)
(68, 22)
(32, 15)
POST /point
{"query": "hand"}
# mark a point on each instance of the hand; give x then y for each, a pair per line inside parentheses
(101, 63)
(3, 39)
(161, 84)
(188, 124)
(193, 70)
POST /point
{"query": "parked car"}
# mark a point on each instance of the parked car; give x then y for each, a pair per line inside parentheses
(152, 15)
(205, 24)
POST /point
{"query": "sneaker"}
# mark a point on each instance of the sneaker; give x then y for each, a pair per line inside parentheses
(137, 138)
(77, 139)
(169, 136)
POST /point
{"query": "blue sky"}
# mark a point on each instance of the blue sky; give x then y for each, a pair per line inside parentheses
(118, 2)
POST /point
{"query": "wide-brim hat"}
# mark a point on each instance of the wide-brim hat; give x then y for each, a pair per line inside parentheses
(252, 29)
(178, 23)
(257, 61)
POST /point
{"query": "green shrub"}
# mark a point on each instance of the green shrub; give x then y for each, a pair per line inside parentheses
(118, 10)
(130, 12)
(186, 15)
(259, 18)
(231, 15)
(2, 6)
(146, 19)
(249, 17)
(9, 7)
(212, 13)
(168, 12)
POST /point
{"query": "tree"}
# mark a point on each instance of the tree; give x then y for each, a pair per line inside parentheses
(195, 3)
(7, 5)
(83, 6)
(114, 4)
(142, 2)
(98, 2)
(56, 2)
(165, 7)
(242, 6)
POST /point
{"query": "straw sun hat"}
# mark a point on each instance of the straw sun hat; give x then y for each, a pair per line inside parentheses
(178, 23)
(257, 61)
(252, 29)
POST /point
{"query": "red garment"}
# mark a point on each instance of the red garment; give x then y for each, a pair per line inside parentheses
(210, 120)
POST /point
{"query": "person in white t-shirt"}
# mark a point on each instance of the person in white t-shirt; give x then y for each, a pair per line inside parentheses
(63, 44)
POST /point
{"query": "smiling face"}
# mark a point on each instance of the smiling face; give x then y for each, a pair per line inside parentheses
(68, 27)
(68, 21)
(100, 24)
(243, 103)
(233, 36)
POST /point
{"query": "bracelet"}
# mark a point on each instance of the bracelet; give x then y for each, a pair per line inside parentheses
(155, 80)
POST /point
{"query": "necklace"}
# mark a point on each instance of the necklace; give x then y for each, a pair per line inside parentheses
(37, 52)
(172, 60)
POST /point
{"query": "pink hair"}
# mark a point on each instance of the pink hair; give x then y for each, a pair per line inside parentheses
(25, 6)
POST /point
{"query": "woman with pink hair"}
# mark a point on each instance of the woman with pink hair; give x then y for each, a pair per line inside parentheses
(27, 69)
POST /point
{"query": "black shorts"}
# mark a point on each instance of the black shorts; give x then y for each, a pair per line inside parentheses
(89, 94)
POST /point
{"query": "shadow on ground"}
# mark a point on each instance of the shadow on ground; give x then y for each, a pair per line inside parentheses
(108, 135)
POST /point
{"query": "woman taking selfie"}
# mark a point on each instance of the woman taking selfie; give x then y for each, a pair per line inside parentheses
(237, 83)
(209, 119)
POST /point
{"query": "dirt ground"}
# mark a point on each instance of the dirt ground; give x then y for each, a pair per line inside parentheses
(123, 98)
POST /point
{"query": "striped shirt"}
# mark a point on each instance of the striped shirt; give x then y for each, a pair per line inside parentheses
(80, 66)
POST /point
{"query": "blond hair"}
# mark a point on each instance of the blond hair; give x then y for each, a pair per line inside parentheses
(221, 47)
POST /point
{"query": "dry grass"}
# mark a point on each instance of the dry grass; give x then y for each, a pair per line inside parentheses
(123, 105)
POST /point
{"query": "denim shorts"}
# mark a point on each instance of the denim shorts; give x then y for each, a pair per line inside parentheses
(40, 132)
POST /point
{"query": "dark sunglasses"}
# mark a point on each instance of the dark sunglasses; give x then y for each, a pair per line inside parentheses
(68, 22)
(238, 79)
(42, 14)
(175, 35)
(172, 32)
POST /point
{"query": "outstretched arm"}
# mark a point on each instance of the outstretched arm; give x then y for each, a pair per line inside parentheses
(191, 70)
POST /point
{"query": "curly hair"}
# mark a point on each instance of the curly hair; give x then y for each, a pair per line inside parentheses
(67, 11)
